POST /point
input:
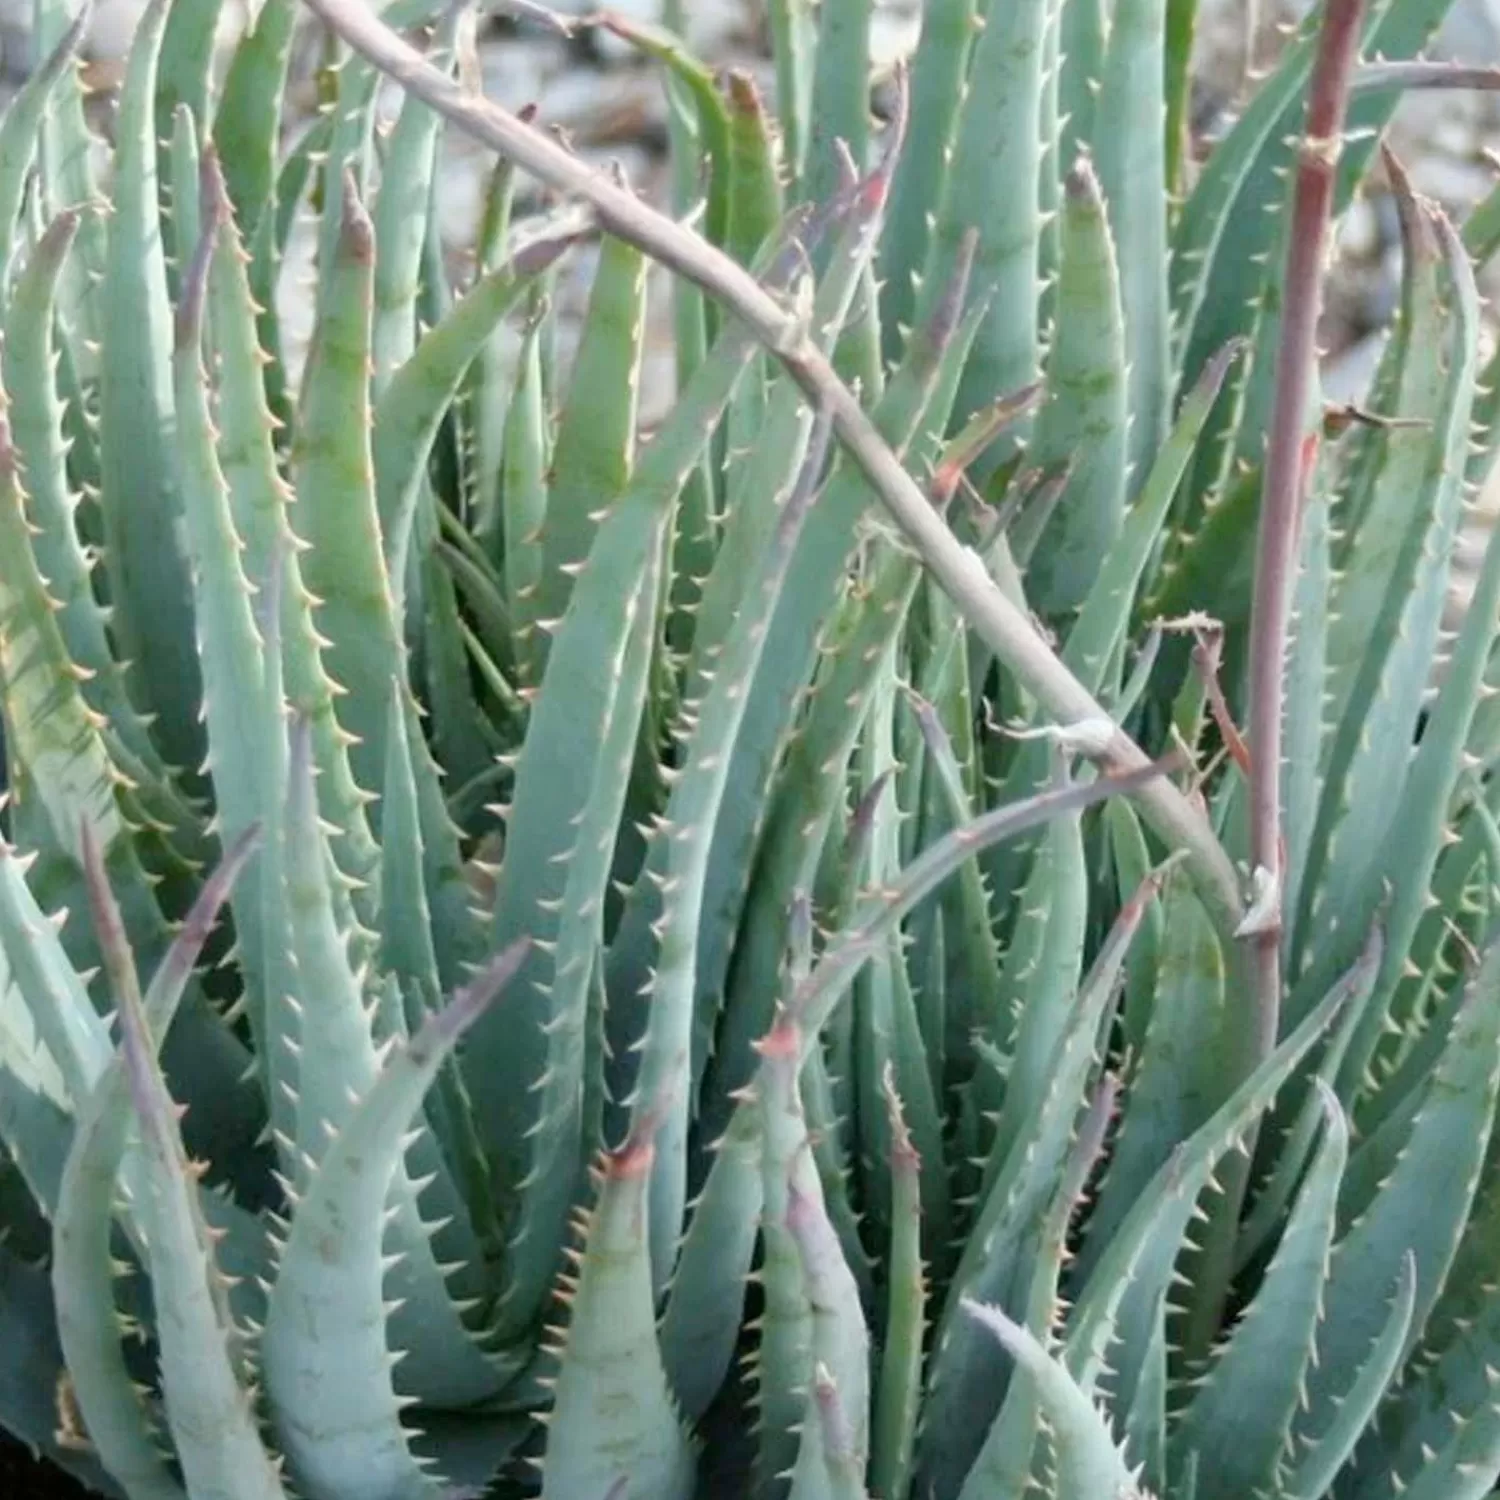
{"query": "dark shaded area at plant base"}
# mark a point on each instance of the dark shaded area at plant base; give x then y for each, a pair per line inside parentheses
(23, 1476)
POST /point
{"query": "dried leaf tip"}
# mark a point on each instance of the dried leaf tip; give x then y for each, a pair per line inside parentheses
(473, 1000)
(636, 1155)
(215, 212)
(356, 231)
(904, 1155)
(1082, 184)
(783, 1042)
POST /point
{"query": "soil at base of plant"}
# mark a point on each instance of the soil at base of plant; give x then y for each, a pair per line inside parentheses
(28, 1478)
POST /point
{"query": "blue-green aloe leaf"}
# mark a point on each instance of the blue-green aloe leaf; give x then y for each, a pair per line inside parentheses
(419, 390)
(209, 1409)
(260, 502)
(1089, 1463)
(1241, 1415)
(400, 215)
(1084, 421)
(331, 1036)
(20, 132)
(706, 1297)
(37, 426)
(245, 123)
(996, 149)
(716, 1253)
(1124, 1296)
(235, 704)
(938, 72)
(1421, 1207)
(148, 568)
(1130, 153)
(335, 511)
(67, 179)
(688, 831)
(89, 1324)
(1316, 1470)
(1060, 1031)
(613, 1416)
(595, 448)
(568, 779)
(326, 1366)
(899, 1387)
(1009, 1455)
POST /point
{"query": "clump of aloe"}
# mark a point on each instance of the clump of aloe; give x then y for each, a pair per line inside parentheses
(921, 929)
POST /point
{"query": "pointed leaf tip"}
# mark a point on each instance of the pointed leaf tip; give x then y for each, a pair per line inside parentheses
(472, 1001)
(904, 1155)
(1082, 184)
(182, 957)
(356, 231)
(194, 290)
(783, 1041)
(109, 925)
(537, 256)
(838, 1437)
(1011, 1334)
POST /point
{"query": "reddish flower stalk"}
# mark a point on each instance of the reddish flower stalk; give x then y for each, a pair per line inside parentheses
(1288, 465)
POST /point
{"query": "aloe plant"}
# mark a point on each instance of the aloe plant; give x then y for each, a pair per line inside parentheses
(995, 915)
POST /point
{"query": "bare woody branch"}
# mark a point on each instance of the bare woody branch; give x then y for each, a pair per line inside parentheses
(1291, 451)
(1379, 77)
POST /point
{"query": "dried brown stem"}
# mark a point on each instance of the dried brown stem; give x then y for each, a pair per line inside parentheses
(1378, 76)
(958, 570)
(1208, 652)
(1290, 452)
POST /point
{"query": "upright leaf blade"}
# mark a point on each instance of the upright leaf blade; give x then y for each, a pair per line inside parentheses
(613, 1415)
(142, 506)
(326, 1365)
